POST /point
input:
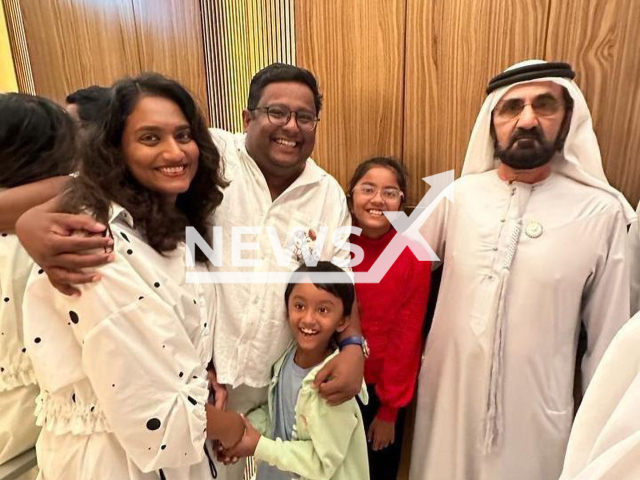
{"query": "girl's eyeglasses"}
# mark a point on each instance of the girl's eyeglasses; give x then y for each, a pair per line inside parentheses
(388, 194)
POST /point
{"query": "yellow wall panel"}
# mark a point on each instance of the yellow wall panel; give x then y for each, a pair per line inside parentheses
(8, 80)
(240, 38)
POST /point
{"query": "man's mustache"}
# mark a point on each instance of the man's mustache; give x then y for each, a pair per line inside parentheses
(522, 134)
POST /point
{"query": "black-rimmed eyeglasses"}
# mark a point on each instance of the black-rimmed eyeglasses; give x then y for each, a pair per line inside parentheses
(280, 116)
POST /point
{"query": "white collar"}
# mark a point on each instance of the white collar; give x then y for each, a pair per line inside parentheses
(119, 212)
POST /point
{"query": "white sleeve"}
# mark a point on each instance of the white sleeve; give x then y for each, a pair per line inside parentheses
(433, 227)
(633, 245)
(142, 365)
(605, 302)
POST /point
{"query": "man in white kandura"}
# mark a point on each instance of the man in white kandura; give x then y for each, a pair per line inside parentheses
(535, 247)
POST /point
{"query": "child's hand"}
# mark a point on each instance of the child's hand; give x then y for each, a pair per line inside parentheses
(381, 434)
(227, 427)
(233, 432)
(247, 445)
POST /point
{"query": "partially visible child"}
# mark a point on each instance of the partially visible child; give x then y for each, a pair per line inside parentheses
(392, 312)
(298, 434)
(36, 143)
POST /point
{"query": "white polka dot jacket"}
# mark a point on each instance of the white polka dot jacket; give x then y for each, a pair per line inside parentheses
(123, 364)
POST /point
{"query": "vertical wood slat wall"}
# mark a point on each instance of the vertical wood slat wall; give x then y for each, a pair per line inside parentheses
(19, 48)
(240, 38)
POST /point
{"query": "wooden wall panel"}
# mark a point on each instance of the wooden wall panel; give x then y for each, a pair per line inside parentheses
(170, 42)
(453, 48)
(76, 43)
(602, 40)
(355, 48)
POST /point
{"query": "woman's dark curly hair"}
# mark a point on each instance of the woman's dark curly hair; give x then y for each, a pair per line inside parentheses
(105, 177)
(36, 140)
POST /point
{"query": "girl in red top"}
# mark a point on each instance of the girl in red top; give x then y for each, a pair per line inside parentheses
(392, 312)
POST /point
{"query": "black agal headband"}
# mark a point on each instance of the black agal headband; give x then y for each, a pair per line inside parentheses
(531, 72)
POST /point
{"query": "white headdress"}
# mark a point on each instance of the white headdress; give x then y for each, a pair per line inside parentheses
(581, 153)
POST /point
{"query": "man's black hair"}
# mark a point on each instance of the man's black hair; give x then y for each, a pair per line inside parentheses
(281, 72)
(91, 102)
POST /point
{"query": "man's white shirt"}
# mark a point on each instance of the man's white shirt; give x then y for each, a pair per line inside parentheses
(251, 329)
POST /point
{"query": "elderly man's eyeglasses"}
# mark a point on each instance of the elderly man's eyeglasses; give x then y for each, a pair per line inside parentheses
(280, 116)
(388, 194)
(542, 106)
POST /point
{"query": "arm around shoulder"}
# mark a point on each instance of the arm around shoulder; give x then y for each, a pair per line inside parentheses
(16, 201)
(50, 239)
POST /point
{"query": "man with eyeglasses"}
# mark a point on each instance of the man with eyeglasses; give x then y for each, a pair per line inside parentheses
(273, 183)
(533, 247)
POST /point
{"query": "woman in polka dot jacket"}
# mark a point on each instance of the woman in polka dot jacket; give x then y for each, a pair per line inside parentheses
(122, 366)
(36, 142)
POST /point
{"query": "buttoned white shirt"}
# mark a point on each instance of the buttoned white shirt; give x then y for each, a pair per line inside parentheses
(251, 330)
